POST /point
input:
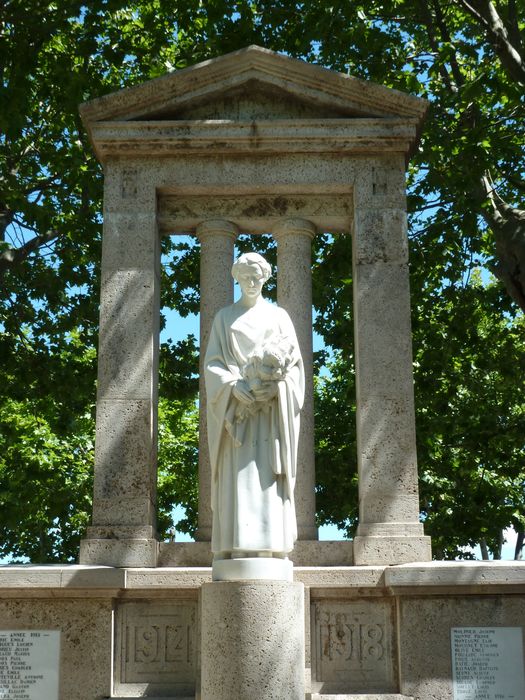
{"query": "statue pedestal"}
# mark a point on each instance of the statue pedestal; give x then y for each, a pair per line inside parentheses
(252, 569)
(252, 644)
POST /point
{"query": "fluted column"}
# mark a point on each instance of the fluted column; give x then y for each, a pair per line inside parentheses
(294, 293)
(217, 239)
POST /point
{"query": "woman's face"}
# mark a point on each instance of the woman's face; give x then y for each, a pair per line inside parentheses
(251, 281)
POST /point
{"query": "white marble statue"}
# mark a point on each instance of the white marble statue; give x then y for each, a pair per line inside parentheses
(255, 391)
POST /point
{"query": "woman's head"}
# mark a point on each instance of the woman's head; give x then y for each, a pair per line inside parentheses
(250, 262)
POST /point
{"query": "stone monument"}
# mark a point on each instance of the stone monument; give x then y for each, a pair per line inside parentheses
(254, 142)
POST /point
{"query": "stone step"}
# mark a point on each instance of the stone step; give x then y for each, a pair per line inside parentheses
(314, 696)
(362, 696)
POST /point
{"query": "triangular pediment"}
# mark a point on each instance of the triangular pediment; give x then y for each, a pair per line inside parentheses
(253, 84)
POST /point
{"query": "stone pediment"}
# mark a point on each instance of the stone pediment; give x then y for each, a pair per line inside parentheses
(253, 84)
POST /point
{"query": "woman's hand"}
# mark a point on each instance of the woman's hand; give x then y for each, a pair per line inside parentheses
(242, 392)
(266, 391)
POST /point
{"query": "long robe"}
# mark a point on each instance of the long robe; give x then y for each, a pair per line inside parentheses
(253, 459)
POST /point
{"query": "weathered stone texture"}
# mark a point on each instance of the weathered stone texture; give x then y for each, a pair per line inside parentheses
(217, 239)
(85, 664)
(294, 293)
(353, 646)
(253, 644)
(156, 647)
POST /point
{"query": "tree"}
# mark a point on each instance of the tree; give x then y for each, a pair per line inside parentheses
(466, 204)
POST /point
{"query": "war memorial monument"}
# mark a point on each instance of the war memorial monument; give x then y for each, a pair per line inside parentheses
(257, 608)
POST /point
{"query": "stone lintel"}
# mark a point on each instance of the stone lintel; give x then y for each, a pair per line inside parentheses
(174, 138)
(256, 212)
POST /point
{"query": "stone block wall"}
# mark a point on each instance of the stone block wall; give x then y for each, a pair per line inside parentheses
(380, 633)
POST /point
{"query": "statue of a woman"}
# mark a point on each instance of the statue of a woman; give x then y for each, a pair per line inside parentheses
(255, 391)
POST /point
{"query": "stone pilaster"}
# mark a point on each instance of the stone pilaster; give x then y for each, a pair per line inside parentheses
(294, 293)
(124, 500)
(217, 239)
(389, 530)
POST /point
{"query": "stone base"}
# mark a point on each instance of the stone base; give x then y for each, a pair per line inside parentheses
(305, 553)
(121, 553)
(252, 641)
(390, 550)
(367, 696)
(252, 569)
(185, 554)
(140, 627)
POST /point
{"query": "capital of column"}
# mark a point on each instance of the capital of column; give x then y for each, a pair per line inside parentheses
(294, 227)
(216, 227)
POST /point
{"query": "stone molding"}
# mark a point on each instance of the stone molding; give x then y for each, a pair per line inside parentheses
(216, 227)
(294, 227)
(323, 581)
(172, 138)
(204, 81)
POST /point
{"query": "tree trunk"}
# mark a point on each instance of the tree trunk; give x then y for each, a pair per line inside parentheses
(518, 552)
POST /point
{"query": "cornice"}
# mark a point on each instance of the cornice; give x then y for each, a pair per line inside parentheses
(173, 138)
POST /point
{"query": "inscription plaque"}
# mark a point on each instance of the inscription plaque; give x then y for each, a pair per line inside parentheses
(29, 662)
(156, 647)
(487, 663)
(353, 645)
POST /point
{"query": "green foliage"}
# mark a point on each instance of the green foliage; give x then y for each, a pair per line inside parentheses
(468, 335)
(469, 365)
(45, 483)
(178, 456)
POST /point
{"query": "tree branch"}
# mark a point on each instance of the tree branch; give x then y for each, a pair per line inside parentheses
(428, 21)
(514, 27)
(510, 55)
(456, 71)
(508, 225)
(6, 218)
(14, 256)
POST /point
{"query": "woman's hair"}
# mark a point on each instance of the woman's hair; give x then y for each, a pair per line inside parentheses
(251, 260)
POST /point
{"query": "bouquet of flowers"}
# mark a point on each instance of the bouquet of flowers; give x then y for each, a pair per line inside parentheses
(266, 365)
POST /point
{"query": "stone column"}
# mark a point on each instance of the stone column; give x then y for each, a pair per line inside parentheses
(124, 500)
(294, 293)
(252, 641)
(217, 239)
(389, 530)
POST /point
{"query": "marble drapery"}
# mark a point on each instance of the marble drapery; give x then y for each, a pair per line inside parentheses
(253, 450)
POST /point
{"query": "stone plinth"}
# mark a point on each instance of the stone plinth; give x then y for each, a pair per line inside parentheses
(252, 569)
(252, 644)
